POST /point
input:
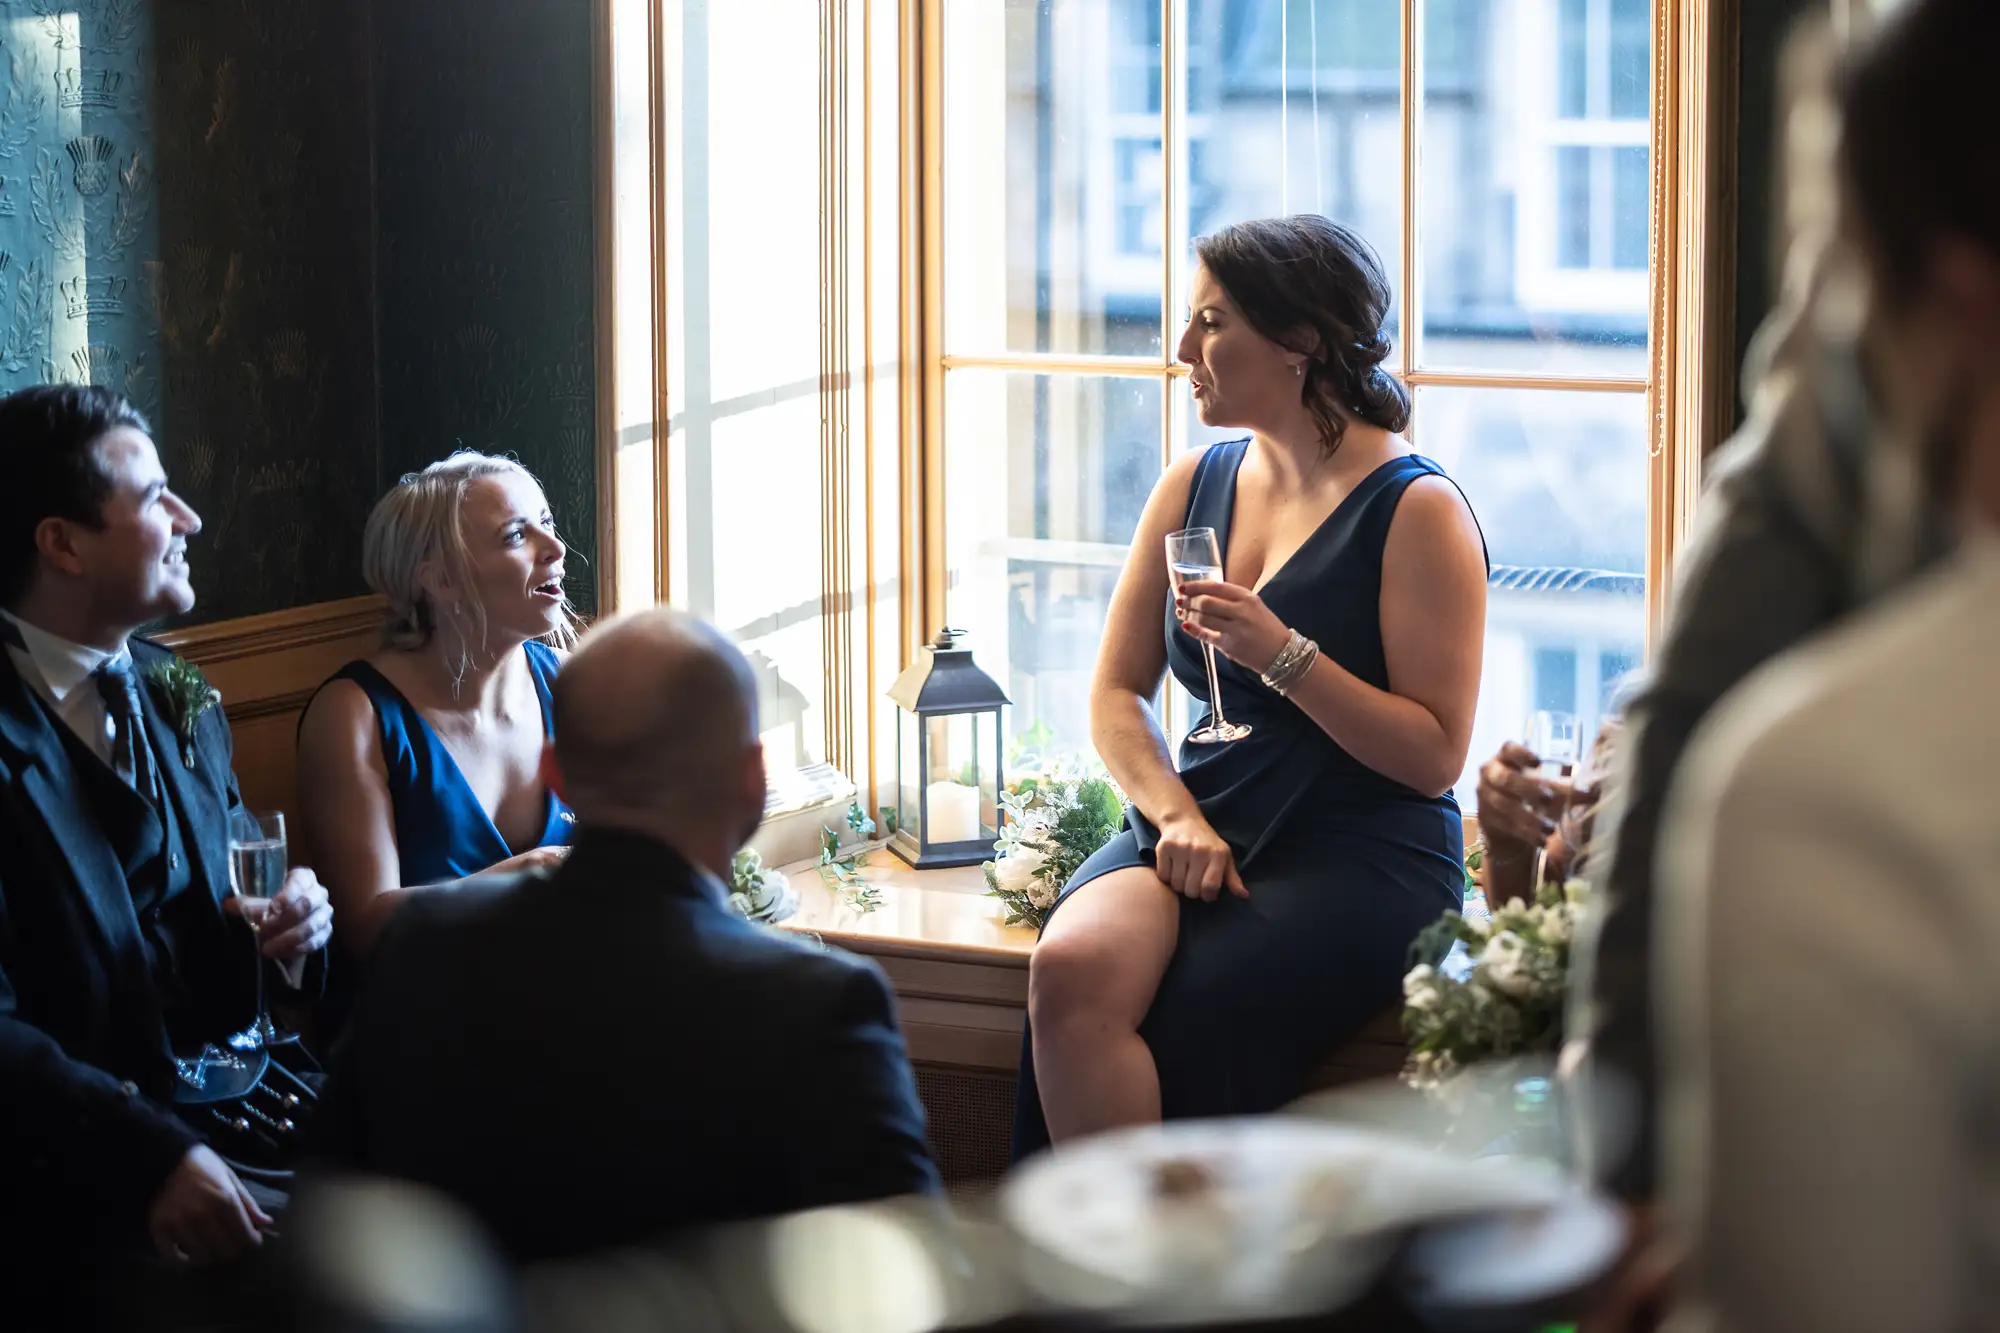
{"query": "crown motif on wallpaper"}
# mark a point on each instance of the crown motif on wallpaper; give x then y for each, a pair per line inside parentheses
(94, 296)
(96, 91)
(568, 379)
(92, 155)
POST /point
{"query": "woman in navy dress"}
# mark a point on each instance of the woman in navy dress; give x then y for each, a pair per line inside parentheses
(422, 764)
(1258, 907)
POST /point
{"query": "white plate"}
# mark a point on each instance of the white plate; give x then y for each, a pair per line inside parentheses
(1292, 1214)
(1504, 1264)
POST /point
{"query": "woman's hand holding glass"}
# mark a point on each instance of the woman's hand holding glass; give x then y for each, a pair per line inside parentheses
(1519, 807)
(1525, 809)
(1232, 620)
(1519, 811)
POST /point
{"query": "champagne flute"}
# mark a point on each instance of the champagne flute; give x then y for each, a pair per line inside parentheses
(1551, 736)
(1193, 555)
(257, 865)
(1587, 792)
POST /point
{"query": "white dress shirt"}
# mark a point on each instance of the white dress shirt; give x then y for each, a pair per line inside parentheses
(1829, 981)
(61, 671)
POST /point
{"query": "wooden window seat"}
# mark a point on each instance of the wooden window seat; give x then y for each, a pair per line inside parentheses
(961, 982)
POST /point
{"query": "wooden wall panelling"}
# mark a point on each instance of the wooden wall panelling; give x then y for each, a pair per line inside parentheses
(267, 667)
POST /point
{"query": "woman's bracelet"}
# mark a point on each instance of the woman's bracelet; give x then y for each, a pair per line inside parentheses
(1289, 667)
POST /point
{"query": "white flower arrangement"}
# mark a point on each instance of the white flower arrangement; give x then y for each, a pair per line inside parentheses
(758, 892)
(1506, 995)
(1052, 824)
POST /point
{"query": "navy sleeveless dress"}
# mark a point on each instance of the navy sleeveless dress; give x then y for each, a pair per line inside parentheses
(1343, 865)
(442, 831)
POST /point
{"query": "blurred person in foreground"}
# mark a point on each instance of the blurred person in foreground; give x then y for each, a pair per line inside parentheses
(1830, 867)
(1811, 512)
(604, 1052)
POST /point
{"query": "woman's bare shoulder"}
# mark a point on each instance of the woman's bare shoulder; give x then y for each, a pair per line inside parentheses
(1433, 511)
(1170, 492)
(340, 719)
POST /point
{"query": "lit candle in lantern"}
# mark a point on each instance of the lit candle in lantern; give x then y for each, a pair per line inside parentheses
(953, 812)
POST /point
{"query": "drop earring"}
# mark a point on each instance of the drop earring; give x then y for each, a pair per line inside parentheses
(459, 668)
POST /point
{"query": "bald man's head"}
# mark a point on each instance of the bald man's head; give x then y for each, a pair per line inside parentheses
(655, 717)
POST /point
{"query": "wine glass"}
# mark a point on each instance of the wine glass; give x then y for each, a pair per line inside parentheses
(1192, 555)
(257, 865)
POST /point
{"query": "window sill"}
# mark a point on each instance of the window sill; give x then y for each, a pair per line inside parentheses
(940, 915)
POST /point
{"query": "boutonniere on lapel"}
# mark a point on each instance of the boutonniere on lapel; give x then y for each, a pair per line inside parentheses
(187, 695)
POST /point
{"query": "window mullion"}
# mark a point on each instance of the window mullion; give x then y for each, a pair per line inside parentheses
(1406, 320)
(1172, 118)
(1176, 176)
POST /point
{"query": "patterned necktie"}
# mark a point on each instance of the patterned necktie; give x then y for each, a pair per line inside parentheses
(131, 752)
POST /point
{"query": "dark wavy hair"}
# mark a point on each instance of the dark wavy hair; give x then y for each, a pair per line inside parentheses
(48, 468)
(1916, 110)
(1313, 286)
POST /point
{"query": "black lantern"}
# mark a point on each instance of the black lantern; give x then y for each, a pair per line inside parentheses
(948, 748)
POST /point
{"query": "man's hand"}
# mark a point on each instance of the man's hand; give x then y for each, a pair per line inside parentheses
(299, 920)
(203, 1215)
(535, 858)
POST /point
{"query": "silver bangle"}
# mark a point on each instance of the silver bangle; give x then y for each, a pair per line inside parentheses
(1304, 667)
(1288, 656)
(1291, 664)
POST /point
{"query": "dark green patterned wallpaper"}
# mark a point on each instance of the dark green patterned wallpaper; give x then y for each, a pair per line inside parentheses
(319, 242)
(264, 296)
(484, 203)
(77, 195)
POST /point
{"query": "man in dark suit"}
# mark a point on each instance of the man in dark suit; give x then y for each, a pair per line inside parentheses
(605, 1052)
(118, 943)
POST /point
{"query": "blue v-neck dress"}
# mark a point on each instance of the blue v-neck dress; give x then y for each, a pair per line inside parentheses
(1343, 865)
(442, 831)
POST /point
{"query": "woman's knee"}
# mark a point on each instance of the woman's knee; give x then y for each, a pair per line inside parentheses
(1070, 976)
(1103, 963)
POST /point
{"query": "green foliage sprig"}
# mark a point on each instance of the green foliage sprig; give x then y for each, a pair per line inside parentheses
(186, 694)
(842, 874)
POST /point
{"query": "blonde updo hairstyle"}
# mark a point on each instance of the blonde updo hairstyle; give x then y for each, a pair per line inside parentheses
(420, 521)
